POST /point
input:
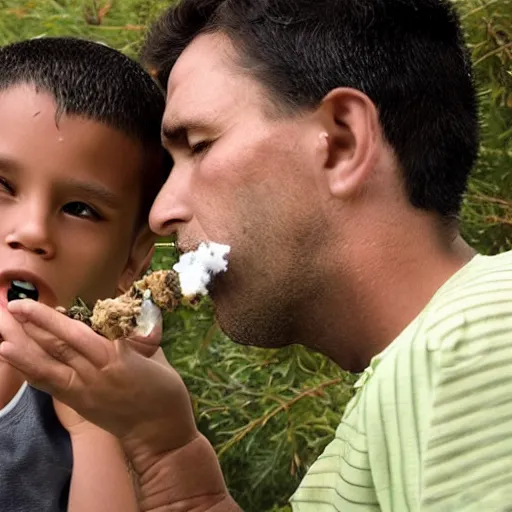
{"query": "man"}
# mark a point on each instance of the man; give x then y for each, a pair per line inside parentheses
(329, 144)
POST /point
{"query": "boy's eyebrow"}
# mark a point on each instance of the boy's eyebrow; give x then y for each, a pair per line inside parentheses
(96, 191)
(8, 163)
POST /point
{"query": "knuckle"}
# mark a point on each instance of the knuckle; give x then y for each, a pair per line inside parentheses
(39, 379)
(37, 375)
(61, 350)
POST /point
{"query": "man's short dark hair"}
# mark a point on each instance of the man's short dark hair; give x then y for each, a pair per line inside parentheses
(96, 82)
(407, 56)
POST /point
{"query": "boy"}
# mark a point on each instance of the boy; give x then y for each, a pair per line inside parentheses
(80, 164)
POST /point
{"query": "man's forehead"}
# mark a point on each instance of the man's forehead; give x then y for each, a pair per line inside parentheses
(206, 53)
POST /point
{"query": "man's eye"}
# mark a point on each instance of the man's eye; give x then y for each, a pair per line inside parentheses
(200, 147)
(79, 209)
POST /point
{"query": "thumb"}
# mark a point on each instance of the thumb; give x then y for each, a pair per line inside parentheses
(147, 335)
(159, 357)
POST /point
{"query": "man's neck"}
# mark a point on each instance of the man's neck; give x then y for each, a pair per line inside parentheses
(381, 293)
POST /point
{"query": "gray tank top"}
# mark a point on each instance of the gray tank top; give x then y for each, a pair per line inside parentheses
(35, 455)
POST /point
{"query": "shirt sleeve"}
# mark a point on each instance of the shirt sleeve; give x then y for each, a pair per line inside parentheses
(467, 462)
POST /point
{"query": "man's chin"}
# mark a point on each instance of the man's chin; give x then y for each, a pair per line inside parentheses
(247, 333)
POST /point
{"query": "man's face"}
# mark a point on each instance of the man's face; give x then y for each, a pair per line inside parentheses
(248, 179)
(69, 196)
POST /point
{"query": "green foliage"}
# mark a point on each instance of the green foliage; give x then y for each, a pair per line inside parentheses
(118, 23)
(270, 413)
(487, 211)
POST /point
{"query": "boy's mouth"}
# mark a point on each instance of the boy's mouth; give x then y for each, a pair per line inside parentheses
(18, 283)
(22, 290)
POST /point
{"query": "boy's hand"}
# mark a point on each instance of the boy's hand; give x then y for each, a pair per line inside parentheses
(103, 381)
(77, 425)
(141, 401)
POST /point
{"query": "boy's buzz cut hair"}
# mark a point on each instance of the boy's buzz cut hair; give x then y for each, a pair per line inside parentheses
(93, 81)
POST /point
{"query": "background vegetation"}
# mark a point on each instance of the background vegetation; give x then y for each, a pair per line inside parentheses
(270, 413)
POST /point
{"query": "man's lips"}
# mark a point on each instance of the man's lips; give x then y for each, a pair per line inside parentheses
(187, 246)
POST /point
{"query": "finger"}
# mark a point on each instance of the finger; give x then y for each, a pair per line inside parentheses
(74, 333)
(32, 343)
(159, 357)
(9, 327)
(60, 350)
(29, 358)
(146, 345)
(38, 369)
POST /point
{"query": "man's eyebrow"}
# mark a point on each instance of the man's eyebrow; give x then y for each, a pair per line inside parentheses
(94, 191)
(172, 132)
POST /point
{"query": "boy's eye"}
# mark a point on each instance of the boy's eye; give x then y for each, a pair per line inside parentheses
(79, 209)
(4, 184)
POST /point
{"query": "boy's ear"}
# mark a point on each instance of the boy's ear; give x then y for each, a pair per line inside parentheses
(139, 260)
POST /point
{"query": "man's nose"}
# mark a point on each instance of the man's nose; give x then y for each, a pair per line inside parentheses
(172, 205)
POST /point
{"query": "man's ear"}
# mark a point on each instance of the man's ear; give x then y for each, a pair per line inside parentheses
(139, 260)
(351, 140)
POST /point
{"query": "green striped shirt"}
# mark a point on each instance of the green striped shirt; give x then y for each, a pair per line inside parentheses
(430, 425)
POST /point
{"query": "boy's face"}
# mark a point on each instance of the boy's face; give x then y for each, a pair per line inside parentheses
(69, 198)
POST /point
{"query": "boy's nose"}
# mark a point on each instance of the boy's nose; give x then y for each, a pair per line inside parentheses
(33, 236)
(171, 207)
